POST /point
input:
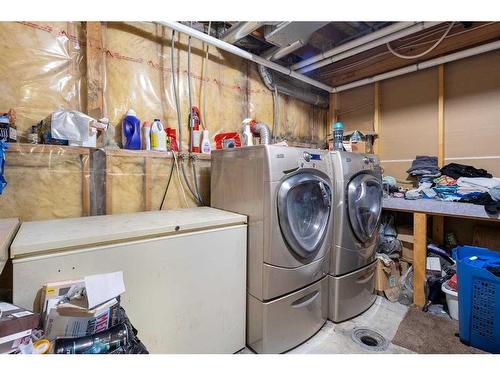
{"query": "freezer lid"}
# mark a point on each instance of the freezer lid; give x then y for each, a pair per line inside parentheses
(61, 234)
(8, 229)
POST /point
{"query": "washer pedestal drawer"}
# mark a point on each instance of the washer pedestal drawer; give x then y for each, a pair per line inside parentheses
(284, 323)
(351, 294)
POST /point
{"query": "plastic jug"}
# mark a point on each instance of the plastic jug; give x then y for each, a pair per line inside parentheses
(158, 136)
(131, 131)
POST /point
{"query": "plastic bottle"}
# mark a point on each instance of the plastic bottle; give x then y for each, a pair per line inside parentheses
(247, 136)
(146, 135)
(194, 122)
(131, 131)
(158, 136)
(338, 136)
(206, 148)
(172, 139)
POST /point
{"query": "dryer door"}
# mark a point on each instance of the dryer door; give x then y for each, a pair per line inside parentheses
(364, 204)
(304, 201)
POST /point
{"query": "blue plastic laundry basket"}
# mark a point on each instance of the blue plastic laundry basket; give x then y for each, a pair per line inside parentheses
(478, 297)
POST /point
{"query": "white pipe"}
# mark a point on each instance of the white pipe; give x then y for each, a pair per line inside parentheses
(354, 43)
(421, 66)
(242, 53)
(370, 45)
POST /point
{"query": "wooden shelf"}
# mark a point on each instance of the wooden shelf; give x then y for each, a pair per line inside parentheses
(42, 148)
(146, 153)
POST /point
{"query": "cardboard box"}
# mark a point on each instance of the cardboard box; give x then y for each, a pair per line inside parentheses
(16, 325)
(67, 321)
(387, 279)
(407, 251)
(78, 308)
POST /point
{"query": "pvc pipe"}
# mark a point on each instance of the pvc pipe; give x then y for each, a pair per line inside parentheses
(421, 66)
(354, 43)
(370, 45)
(241, 53)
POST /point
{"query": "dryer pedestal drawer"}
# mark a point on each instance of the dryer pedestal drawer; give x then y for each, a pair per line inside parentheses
(351, 294)
(284, 323)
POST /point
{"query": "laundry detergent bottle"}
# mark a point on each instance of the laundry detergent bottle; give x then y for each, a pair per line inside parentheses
(131, 131)
(158, 136)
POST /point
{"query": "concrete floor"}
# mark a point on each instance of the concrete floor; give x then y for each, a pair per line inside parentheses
(335, 338)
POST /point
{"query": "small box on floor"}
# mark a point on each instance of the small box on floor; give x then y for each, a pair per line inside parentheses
(16, 325)
(82, 307)
(387, 278)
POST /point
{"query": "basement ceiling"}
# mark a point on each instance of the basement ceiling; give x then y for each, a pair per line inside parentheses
(371, 62)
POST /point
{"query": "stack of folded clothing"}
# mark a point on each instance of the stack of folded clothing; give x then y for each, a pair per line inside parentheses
(426, 166)
(456, 171)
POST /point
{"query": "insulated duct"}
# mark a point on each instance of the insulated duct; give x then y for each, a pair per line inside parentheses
(262, 131)
(296, 90)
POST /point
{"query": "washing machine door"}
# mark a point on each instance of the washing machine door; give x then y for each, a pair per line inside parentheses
(304, 201)
(364, 205)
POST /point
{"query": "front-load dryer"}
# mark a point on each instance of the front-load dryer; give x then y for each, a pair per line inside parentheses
(286, 193)
(356, 209)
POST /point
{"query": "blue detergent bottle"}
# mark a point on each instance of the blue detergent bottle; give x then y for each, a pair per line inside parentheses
(338, 136)
(131, 131)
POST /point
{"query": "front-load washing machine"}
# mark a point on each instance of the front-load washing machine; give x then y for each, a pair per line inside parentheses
(286, 193)
(356, 209)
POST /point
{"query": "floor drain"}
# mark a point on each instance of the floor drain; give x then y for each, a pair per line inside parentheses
(370, 339)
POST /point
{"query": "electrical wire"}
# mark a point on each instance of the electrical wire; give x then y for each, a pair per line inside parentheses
(168, 184)
(404, 46)
(179, 179)
(406, 57)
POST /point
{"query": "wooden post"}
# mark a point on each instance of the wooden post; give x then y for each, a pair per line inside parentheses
(85, 184)
(95, 70)
(419, 257)
(109, 185)
(148, 184)
(376, 117)
(441, 160)
(438, 229)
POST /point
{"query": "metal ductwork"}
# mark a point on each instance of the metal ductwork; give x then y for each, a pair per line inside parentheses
(262, 131)
(298, 90)
(288, 37)
(240, 30)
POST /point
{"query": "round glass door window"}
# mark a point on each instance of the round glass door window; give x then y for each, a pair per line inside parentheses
(364, 204)
(304, 202)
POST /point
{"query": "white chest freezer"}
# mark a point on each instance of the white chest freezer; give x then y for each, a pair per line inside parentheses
(184, 271)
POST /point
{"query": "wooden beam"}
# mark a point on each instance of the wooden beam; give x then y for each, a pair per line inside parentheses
(109, 185)
(438, 229)
(441, 116)
(148, 184)
(419, 257)
(376, 117)
(95, 70)
(85, 185)
(333, 110)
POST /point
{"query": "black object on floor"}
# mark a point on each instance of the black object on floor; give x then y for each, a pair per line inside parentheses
(425, 333)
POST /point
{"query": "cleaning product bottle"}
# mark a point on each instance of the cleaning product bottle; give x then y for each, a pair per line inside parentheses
(206, 148)
(194, 123)
(158, 136)
(172, 139)
(146, 135)
(131, 131)
(338, 136)
(247, 136)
